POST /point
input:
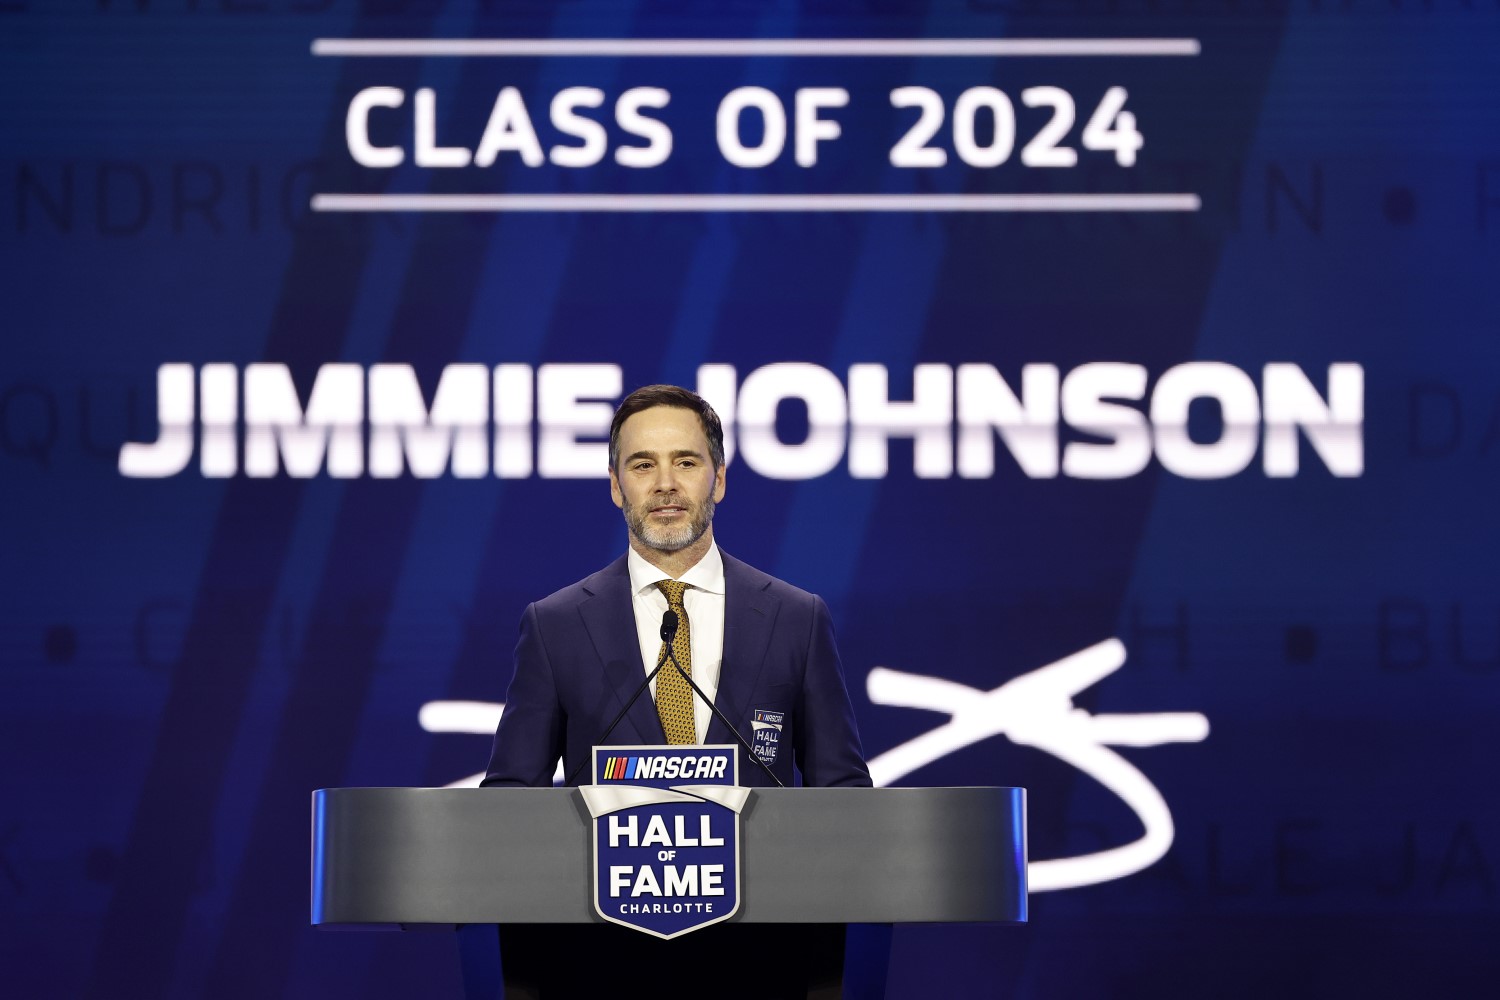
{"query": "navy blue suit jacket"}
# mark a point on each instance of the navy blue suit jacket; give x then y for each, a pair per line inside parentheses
(579, 660)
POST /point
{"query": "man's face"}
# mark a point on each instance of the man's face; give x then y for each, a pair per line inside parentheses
(664, 480)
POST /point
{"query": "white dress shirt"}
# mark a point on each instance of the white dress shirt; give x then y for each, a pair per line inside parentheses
(704, 602)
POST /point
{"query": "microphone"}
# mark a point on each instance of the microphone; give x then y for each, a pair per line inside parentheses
(672, 615)
(670, 623)
(669, 626)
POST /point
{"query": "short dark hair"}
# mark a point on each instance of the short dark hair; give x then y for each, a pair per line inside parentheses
(649, 396)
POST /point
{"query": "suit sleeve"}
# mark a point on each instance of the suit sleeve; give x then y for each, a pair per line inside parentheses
(529, 739)
(827, 741)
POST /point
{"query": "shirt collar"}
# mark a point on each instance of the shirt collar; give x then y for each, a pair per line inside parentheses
(707, 574)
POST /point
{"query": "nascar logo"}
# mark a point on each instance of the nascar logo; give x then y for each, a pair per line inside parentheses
(674, 767)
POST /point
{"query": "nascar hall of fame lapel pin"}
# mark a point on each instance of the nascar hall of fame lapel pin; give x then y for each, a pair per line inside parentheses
(666, 836)
(767, 738)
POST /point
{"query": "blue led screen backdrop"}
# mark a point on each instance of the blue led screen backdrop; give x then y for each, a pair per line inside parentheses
(1125, 376)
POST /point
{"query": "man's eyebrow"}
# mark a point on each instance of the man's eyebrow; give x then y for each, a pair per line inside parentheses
(679, 453)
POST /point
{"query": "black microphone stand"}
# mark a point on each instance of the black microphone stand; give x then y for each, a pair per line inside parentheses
(661, 662)
(669, 625)
(720, 716)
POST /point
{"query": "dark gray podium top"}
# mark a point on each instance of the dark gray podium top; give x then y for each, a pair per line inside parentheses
(413, 856)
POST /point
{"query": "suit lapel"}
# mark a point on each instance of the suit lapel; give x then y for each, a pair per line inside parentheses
(749, 615)
(609, 617)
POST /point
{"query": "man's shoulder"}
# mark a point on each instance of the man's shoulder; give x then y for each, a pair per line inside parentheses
(740, 573)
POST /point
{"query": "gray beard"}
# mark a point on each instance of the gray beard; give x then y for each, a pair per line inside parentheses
(670, 538)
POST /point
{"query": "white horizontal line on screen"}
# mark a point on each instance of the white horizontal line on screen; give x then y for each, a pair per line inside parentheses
(981, 47)
(755, 203)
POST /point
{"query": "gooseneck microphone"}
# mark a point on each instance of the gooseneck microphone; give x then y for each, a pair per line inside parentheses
(669, 626)
(670, 623)
(709, 701)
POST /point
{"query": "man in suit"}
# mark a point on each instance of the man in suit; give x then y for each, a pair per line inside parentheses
(761, 649)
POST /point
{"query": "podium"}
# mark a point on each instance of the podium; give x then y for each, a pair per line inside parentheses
(405, 858)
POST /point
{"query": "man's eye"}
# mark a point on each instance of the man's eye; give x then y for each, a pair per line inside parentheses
(687, 463)
(642, 466)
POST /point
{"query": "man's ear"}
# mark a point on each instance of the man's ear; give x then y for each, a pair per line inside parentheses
(719, 484)
(614, 490)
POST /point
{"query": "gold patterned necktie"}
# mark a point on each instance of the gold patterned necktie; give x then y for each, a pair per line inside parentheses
(674, 697)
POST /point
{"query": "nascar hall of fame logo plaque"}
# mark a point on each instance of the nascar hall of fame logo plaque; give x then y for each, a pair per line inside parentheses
(666, 836)
(767, 728)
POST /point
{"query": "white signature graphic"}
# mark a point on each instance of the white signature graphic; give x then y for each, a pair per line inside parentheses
(1037, 710)
(1033, 710)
